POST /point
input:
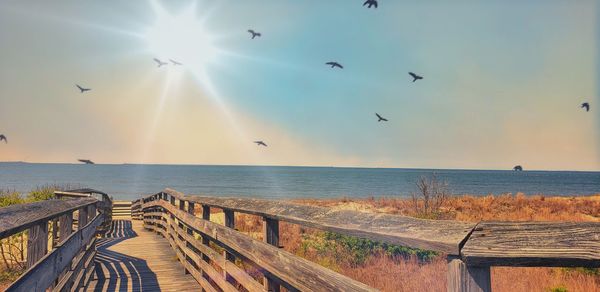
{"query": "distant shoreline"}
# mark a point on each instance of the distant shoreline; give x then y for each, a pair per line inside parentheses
(299, 166)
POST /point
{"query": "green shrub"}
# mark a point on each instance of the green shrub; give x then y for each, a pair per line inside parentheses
(8, 198)
(559, 289)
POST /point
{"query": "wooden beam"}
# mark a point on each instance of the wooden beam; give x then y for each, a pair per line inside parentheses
(65, 226)
(16, 218)
(297, 272)
(463, 278)
(229, 222)
(44, 273)
(37, 243)
(439, 235)
(82, 218)
(534, 244)
(271, 236)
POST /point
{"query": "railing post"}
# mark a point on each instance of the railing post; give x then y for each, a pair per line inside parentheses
(54, 239)
(271, 236)
(37, 243)
(82, 218)
(65, 226)
(463, 278)
(229, 222)
(205, 216)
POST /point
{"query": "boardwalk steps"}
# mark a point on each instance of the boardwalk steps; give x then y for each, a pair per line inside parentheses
(121, 210)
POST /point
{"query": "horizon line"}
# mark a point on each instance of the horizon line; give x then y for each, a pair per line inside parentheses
(305, 166)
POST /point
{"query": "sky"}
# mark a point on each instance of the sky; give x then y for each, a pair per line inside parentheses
(503, 83)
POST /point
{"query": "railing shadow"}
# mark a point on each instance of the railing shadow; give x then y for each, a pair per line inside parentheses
(119, 272)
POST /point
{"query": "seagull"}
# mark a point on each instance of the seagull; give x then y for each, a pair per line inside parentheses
(381, 119)
(86, 161)
(260, 143)
(2, 137)
(334, 64)
(415, 76)
(83, 89)
(254, 34)
(175, 62)
(518, 168)
(586, 106)
(159, 62)
(370, 3)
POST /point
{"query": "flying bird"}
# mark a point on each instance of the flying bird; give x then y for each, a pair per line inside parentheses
(175, 62)
(380, 118)
(518, 168)
(254, 33)
(159, 62)
(334, 64)
(415, 76)
(370, 3)
(586, 106)
(86, 161)
(82, 89)
(260, 143)
(2, 137)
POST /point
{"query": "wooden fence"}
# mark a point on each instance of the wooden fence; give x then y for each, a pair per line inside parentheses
(70, 261)
(471, 248)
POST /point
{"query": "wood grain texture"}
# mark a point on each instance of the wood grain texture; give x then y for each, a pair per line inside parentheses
(438, 235)
(37, 243)
(46, 271)
(130, 258)
(16, 218)
(298, 272)
(463, 278)
(543, 244)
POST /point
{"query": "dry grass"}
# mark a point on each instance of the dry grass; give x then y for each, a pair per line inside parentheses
(401, 274)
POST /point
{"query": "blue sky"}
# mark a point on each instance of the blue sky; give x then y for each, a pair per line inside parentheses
(503, 83)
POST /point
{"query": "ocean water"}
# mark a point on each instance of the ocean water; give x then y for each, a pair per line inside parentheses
(128, 181)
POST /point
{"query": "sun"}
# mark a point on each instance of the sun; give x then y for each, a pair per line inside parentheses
(180, 37)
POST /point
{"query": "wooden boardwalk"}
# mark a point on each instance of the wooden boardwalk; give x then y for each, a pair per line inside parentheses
(130, 258)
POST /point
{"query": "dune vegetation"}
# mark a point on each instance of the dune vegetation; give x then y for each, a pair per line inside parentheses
(396, 268)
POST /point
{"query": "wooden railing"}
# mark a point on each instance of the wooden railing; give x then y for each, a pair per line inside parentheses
(69, 262)
(471, 248)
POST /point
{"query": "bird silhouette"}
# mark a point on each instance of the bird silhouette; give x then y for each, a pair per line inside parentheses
(370, 3)
(415, 76)
(254, 33)
(586, 106)
(159, 62)
(334, 64)
(82, 89)
(518, 168)
(260, 143)
(2, 137)
(86, 161)
(380, 118)
(175, 62)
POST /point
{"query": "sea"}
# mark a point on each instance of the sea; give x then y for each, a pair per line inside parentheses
(130, 181)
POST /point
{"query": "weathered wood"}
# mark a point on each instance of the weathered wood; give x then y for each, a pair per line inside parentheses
(16, 218)
(37, 243)
(438, 235)
(299, 273)
(54, 238)
(44, 272)
(82, 218)
(271, 236)
(463, 278)
(534, 244)
(65, 226)
(238, 274)
(228, 222)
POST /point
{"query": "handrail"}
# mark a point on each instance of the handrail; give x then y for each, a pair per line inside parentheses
(279, 266)
(16, 218)
(439, 235)
(70, 262)
(472, 248)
